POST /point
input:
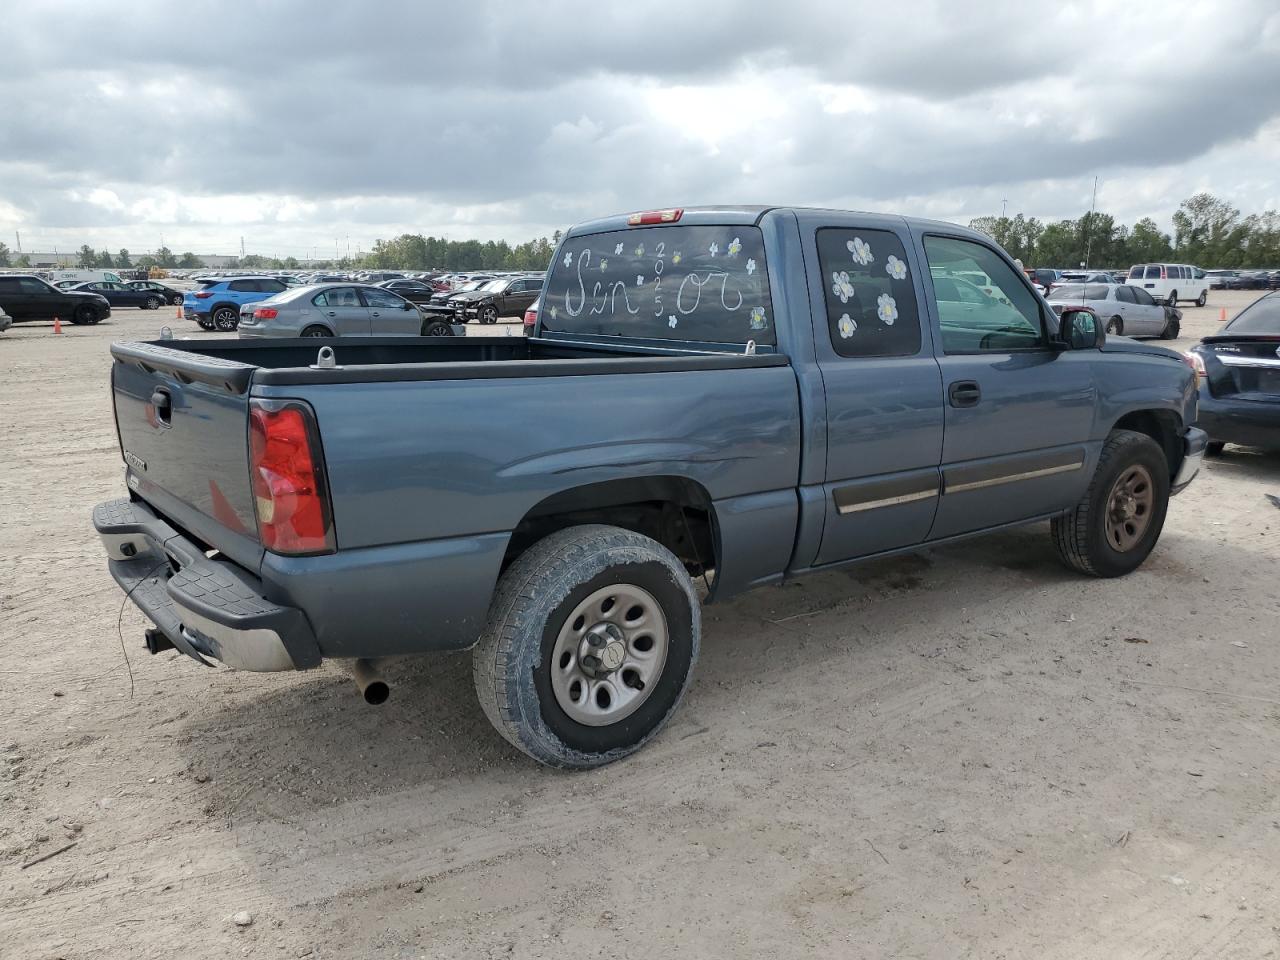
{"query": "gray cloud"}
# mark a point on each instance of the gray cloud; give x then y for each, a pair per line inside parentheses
(294, 122)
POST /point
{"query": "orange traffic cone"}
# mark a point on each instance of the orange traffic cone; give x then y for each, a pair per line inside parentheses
(57, 325)
(177, 312)
(1222, 314)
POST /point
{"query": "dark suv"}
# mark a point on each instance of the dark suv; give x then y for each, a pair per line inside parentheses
(26, 297)
(504, 297)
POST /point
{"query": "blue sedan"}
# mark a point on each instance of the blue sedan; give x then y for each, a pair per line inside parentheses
(123, 295)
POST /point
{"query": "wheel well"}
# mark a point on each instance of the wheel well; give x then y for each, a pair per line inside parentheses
(224, 303)
(1161, 426)
(675, 511)
(323, 326)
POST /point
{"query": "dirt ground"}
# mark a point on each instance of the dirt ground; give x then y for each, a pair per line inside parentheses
(968, 752)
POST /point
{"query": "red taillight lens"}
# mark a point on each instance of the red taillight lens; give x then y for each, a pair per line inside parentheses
(1196, 363)
(266, 313)
(290, 494)
(655, 216)
(203, 295)
(530, 318)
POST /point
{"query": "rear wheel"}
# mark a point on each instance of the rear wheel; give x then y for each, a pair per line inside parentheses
(315, 331)
(1203, 298)
(589, 646)
(205, 323)
(1118, 520)
(1215, 448)
(153, 303)
(436, 328)
(1115, 326)
(226, 318)
(1172, 299)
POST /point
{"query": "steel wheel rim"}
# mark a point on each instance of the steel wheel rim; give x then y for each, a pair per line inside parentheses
(1129, 508)
(630, 653)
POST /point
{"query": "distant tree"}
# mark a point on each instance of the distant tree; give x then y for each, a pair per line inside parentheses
(190, 260)
(146, 262)
(22, 261)
(291, 263)
(165, 258)
(1146, 243)
(87, 258)
(4, 255)
(122, 259)
(105, 260)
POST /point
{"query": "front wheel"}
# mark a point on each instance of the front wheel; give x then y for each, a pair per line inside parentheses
(1115, 326)
(1118, 520)
(226, 318)
(1203, 298)
(589, 646)
(1172, 299)
(1172, 328)
(436, 328)
(489, 315)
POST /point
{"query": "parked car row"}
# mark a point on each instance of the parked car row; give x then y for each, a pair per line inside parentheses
(1124, 309)
(27, 297)
(1243, 279)
(339, 310)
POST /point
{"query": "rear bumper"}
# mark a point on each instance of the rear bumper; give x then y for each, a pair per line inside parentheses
(1251, 423)
(1193, 446)
(206, 608)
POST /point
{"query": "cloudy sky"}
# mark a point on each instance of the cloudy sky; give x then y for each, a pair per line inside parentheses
(301, 125)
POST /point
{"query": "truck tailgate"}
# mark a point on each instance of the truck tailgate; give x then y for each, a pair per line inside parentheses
(183, 422)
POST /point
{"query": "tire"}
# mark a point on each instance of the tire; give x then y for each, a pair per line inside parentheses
(1084, 537)
(1215, 448)
(176, 300)
(84, 316)
(1203, 298)
(540, 598)
(225, 318)
(205, 323)
(1172, 328)
(315, 331)
(436, 328)
(153, 303)
(489, 315)
(1115, 326)
(1172, 299)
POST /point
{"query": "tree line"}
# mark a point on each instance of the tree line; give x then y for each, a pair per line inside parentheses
(1207, 232)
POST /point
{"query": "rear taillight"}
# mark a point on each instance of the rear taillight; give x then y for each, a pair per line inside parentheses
(530, 318)
(655, 216)
(266, 313)
(286, 468)
(203, 295)
(1196, 363)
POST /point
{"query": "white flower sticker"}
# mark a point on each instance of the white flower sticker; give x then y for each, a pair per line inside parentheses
(553, 313)
(841, 286)
(758, 321)
(714, 248)
(640, 250)
(886, 309)
(735, 246)
(751, 267)
(568, 259)
(617, 250)
(639, 280)
(677, 257)
(847, 326)
(672, 321)
(861, 251)
(896, 268)
(604, 263)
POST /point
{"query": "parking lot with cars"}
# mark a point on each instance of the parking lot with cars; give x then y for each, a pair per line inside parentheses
(1027, 745)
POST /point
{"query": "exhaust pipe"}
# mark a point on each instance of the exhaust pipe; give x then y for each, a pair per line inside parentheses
(372, 686)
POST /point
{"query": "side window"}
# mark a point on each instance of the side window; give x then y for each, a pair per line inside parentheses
(10, 285)
(1141, 296)
(32, 286)
(871, 303)
(972, 320)
(242, 286)
(377, 297)
(321, 299)
(271, 286)
(1125, 294)
(1153, 271)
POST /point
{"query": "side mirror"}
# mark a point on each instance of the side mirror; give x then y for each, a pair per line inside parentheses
(406, 305)
(1080, 330)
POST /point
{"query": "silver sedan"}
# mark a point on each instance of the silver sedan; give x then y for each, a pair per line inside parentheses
(339, 310)
(1127, 310)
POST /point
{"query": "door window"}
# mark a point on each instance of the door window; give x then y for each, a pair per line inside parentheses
(337, 297)
(374, 297)
(10, 285)
(28, 285)
(1125, 294)
(870, 297)
(973, 320)
(243, 286)
(1141, 296)
(1153, 271)
(272, 286)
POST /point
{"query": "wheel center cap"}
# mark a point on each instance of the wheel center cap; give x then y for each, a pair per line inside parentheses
(603, 649)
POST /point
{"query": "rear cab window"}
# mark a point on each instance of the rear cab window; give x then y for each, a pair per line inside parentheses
(705, 284)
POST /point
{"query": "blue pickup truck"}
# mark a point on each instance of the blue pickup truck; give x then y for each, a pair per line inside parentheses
(713, 400)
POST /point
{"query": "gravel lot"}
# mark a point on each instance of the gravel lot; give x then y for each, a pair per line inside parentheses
(967, 752)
